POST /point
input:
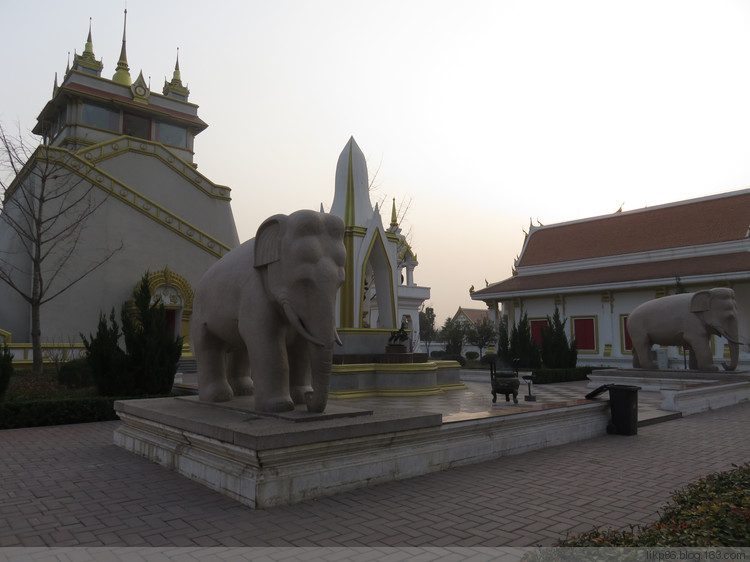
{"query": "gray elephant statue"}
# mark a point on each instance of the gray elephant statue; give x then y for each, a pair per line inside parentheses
(264, 319)
(687, 319)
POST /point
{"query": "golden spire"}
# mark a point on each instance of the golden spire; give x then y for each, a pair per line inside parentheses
(122, 74)
(87, 61)
(394, 216)
(175, 89)
(89, 48)
(176, 75)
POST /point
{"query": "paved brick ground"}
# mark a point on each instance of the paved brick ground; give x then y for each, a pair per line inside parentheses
(69, 486)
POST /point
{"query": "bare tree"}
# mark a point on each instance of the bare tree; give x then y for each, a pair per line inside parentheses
(46, 201)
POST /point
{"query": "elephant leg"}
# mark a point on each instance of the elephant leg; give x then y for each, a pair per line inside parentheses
(210, 354)
(268, 364)
(238, 370)
(704, 361)
(692, 361)
(299, 371)
(642, 355)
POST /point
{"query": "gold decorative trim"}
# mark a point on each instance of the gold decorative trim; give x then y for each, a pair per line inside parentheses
(98, 152)
(377, 237)
(360, 231)
(355, 368)
(167, 278)
(384, 392)
(140, 203)
(368, 331)
(595, 318)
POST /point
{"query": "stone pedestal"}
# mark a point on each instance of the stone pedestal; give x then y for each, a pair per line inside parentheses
(264, 461)
(687, 392)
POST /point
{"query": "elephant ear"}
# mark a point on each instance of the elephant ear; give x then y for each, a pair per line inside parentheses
(701, 301)
(268, 241)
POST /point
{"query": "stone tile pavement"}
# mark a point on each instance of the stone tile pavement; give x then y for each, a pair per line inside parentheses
(70, 486)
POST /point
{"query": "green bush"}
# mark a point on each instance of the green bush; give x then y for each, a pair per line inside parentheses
(459, 358)
(714, 511)
(76, 374)
(36, 413)
(6, 368)
(472, 355)
(153, 351)
(149, 363)
(557, 352)
(107, 361)
(437, 354)
(519, 345)
(549, 376)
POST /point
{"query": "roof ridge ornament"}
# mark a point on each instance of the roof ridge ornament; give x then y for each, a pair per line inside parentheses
(140, 89)
(122, 74)
(394, 216)
(86, 62)
(175, 89)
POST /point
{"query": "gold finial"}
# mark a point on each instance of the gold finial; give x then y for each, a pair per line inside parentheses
(122, 74)
(176, 75)
(87, 62)
(175, 89)
(89, 48)
(394, 216)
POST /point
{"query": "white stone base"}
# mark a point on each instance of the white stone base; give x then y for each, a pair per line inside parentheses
(705, 397)
(687, 392)
(264, 462)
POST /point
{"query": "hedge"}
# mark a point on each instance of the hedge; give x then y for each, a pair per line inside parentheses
(711, 512)
(548, 376)
(35, 413)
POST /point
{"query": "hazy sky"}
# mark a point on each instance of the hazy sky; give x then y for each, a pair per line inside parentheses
(481, 114)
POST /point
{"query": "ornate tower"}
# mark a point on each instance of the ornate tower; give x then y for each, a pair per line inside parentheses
(375, 295)
(129, 152)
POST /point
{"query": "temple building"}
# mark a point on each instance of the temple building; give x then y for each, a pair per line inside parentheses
(379, 294)
(597, 270)
(118, 147)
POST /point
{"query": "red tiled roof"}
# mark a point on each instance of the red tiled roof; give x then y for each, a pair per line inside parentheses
(475, 315)
(694, 222)
(668, 269)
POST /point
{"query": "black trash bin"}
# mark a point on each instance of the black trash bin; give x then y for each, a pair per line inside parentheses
(623, 404)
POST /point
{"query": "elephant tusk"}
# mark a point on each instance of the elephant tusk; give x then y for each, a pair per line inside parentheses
(295, 321)
(336, 338)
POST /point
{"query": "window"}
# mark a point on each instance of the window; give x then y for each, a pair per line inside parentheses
(100, 117)
(626, 343)
(584, 331)
(136, 126)
(536, 330)
(171, 134)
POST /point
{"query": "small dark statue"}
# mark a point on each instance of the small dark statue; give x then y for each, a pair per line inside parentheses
(504, 382)
(399, 337)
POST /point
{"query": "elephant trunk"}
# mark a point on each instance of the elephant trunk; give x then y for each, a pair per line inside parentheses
(321, 358)
(734, 354)
(321, 361)
(731, 333)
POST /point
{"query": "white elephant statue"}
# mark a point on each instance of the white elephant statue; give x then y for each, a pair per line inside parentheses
(687, 319)
(264, 318)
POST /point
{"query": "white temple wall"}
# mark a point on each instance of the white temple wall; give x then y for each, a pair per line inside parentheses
(608, 310)
(173, 192)
(146, 247)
